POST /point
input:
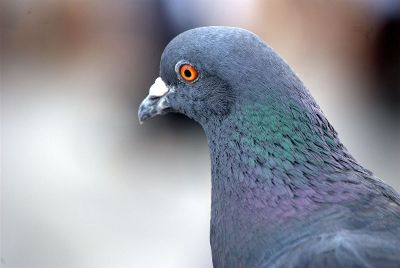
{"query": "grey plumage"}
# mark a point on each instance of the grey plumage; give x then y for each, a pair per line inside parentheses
(285, 191)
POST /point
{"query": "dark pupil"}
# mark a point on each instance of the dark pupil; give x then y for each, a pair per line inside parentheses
(188, 73)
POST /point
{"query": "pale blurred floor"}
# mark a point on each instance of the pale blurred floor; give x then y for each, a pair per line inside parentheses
(83, 187)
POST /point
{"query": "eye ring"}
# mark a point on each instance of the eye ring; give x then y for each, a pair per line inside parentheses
(188, 72)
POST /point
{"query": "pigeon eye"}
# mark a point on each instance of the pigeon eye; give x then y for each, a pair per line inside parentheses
(188, 72)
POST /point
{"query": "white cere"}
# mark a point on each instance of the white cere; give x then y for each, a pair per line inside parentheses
(158, 89)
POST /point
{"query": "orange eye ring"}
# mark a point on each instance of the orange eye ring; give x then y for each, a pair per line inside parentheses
(188, 72)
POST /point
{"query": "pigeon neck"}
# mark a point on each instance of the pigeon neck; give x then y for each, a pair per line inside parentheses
(270, 169)
(262, 147)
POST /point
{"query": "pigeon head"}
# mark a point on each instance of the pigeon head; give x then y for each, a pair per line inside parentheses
(205, 72)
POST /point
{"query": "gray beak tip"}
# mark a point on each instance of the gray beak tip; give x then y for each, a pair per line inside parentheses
(146, 110)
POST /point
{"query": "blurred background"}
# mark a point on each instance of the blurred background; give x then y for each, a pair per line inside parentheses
(84, 185)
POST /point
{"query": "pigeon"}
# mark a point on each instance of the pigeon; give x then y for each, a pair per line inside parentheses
(285, 190)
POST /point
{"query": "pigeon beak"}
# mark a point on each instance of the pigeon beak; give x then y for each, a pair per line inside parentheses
(156, 102)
